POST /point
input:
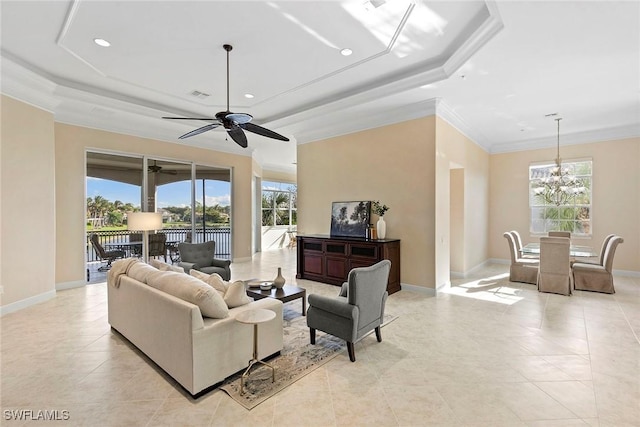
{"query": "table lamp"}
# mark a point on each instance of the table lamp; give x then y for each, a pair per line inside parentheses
(145, 222)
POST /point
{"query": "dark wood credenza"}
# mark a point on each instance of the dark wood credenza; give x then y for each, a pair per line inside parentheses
(329, 259)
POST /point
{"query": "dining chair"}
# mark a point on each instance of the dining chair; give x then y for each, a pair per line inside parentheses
(523, 270)
(600, 260)
(554, 274)
(560, 234)
(518, 242)
(597, 278)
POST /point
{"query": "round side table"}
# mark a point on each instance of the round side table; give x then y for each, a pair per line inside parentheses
(255, 317)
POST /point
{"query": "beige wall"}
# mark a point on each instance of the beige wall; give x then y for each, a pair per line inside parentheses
(393, 164)
(27, 230)
(456, 226)
(408, 167)
(616, 196)
(454, 149)
(71, 144)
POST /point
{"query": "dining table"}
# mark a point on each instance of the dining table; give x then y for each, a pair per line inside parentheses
(135, 247)
(576, 251)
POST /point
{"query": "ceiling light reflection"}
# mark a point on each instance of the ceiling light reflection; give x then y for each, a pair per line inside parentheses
(101, 42)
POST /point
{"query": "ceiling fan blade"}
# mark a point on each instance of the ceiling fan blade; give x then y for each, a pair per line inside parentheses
(238, 136)
(239, 118)
(191, 118)
(199, 130)
(251, 127)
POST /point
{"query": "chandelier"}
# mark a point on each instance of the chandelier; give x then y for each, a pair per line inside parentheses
(558, 186)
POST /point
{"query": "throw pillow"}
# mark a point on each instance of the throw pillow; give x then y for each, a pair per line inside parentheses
(236, 295)
(214, 280)
(163, 266)
(142, 272)
(193, 290)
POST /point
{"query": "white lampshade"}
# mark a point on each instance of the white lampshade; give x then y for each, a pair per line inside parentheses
(144, 221)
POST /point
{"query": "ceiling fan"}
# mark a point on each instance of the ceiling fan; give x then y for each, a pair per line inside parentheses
(234, 123)
(154, 168)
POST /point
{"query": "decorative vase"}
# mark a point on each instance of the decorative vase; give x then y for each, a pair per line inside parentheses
(278, 282)
(381, 228)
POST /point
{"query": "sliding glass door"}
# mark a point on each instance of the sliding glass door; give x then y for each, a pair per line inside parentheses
(195, 200)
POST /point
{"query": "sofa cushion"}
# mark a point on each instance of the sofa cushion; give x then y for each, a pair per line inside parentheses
(214, 280)
(193, 290)
(236, 295)
(142, 272)
(163, 266)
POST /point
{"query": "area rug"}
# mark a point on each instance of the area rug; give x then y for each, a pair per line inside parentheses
(297, 359)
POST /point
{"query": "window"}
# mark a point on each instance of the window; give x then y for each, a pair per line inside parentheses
(575, 216)
(279, 204)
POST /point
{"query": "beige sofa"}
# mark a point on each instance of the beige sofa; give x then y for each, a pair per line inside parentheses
(198, 352)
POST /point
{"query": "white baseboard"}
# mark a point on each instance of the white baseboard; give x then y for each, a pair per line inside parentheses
(27, 302)
(70, 285)
(418, 289)
(244, 259)
(499, 261)
(464, 275)
(626, 273)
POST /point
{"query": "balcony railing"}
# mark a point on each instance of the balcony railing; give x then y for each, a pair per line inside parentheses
(220, 235)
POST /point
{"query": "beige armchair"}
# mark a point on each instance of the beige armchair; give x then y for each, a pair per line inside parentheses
(522, 269)
(554, 273)
(597, 278)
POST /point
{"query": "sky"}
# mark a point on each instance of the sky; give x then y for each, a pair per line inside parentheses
(174, 194)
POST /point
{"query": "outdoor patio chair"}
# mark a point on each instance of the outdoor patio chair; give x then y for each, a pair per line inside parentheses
(108, 256)
(158, 245)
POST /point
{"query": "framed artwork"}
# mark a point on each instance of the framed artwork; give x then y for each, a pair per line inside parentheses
(350, 219)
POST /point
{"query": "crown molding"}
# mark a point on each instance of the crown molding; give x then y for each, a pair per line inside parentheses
(25, 85)
(344, 127)
(577, 138)
(445, 112)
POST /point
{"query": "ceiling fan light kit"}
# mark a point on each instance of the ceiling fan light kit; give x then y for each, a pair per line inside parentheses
(234, 123)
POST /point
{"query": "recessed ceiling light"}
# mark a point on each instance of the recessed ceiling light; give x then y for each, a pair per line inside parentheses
(248, 95)
(102, 42)
(346, 51)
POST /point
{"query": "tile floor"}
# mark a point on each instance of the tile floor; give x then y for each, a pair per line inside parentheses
(486, 352)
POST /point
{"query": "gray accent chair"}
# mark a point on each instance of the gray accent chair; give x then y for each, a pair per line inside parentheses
(597, 278)
(200, 256)
(523, 270)
(356, 311)
(554, 273)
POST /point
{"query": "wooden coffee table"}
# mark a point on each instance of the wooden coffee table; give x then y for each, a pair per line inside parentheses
(286, 294)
